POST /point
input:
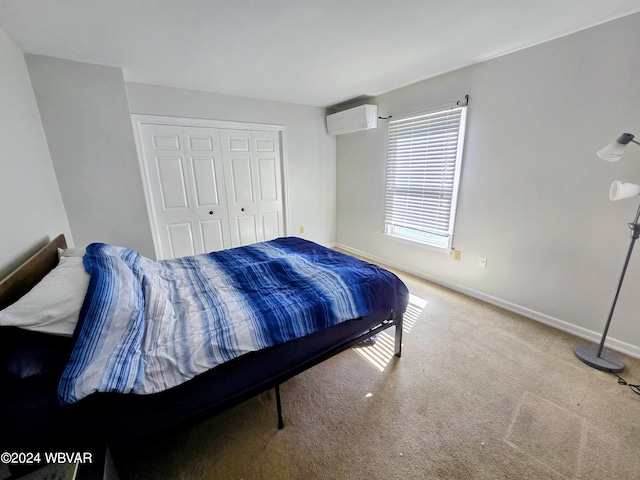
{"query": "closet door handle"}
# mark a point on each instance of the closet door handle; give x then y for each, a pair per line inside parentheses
(210, 212)
(242, 209)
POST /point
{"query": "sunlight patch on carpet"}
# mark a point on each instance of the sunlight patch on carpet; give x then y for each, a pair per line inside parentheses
(549, 433)
(414, 309)
(381, 353)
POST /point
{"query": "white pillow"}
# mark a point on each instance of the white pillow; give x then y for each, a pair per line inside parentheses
(71, 252)
(53, 305)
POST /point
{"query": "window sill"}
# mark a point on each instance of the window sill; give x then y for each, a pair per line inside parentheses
(417, 244)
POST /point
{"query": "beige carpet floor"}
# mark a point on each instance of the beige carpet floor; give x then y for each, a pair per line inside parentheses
(479, 393)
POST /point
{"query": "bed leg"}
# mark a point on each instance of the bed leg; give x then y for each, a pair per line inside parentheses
(398, 346)
(279, 407)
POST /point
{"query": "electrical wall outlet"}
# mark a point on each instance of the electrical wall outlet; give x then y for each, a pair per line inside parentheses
(483, 262)
(301, 229)
(457, 254)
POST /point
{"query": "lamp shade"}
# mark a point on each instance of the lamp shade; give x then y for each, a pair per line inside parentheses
(621, 190)
(613, 152)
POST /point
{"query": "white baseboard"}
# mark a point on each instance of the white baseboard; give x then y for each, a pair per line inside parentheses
(612, 343)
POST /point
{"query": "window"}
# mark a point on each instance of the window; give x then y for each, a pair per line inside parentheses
(424, 160)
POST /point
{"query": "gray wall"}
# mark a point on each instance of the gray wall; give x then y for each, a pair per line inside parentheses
(534, 196)
(86, 119)
(31, 209)
(310, 151)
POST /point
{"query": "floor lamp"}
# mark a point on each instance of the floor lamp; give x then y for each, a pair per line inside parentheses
(594, 355)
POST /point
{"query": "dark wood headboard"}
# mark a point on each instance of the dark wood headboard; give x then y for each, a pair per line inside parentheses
(23, 279)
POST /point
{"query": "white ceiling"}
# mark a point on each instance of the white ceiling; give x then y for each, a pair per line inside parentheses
(311, 52)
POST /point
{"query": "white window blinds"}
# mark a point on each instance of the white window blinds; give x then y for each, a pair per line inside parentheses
(423, 171)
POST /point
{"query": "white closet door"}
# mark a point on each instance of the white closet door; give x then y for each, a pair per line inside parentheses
(209, 193)
(169, 176)
(209, 188)
(184, 169)
(266, 147)
(253, 181)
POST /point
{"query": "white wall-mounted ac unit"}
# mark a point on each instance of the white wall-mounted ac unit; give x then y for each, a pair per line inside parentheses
(354, 119)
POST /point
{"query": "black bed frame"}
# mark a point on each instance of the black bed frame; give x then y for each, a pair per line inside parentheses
(396, 319)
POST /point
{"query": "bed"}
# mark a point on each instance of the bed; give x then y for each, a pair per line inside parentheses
(38, 412)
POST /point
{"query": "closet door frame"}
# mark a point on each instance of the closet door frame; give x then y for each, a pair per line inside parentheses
(139, 120)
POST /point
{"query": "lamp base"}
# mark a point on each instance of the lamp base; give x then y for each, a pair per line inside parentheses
(607, 362)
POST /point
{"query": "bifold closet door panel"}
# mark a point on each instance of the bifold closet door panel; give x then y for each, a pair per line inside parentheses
(252, 169)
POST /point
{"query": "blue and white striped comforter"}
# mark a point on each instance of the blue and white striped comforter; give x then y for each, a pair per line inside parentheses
(147, 326)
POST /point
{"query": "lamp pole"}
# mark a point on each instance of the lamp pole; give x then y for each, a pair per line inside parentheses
(588, 353)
